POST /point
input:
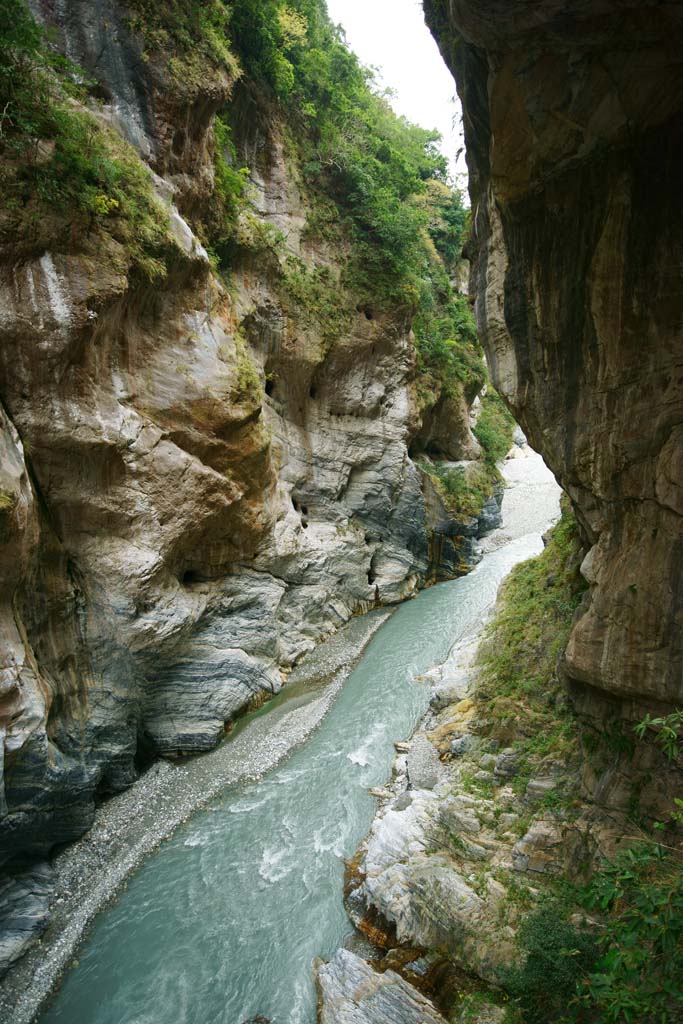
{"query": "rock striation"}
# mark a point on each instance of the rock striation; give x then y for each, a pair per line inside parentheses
(573, 118)
(351, 992)
(196, 484)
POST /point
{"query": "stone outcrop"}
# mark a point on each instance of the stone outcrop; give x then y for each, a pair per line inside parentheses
(196, 484)
(457, 855)
(573, 118)
(351, 992)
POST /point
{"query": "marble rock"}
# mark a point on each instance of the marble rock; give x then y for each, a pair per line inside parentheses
(352, 992)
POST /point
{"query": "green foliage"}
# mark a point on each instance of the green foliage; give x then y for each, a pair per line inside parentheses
(638, 978)
(554, 957)
(464, 492)
(530, 629)
(315, 294)
(189, 32)
(447, 345)
(267, 34)
(668, 733)
(60, 164)
(495, 428)
(376, 184)
(230, 193)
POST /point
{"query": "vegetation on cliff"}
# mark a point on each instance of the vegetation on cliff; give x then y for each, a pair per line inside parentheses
(65, 177)
(465, 490)
(519, 658)
(377, 186)
(630, 968)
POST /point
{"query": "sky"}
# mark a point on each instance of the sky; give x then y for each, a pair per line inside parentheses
(391, 35)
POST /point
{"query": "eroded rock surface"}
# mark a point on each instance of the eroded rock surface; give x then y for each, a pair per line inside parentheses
(351, 992)
(196, 483)
(573, 118)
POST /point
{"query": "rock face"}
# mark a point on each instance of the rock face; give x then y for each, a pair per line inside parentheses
(195, 484)
(351, 992)
(574, 126)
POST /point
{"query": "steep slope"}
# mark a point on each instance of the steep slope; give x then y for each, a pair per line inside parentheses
(210, 385)
(573, 116)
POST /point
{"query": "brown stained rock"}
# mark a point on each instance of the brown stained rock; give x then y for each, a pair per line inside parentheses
(573, 117)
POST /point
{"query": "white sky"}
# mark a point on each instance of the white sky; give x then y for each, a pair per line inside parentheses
(391, 35)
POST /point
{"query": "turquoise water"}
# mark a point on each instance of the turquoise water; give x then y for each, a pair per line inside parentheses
(223, 922)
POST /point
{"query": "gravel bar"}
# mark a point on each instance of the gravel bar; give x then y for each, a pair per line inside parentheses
(132, 824)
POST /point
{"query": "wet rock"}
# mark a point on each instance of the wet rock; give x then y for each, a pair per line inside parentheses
(351, 992)
(380, 793)
(519, 437)
(491, 516)
(448, 692)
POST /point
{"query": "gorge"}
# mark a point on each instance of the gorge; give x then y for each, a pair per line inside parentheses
(244, 404)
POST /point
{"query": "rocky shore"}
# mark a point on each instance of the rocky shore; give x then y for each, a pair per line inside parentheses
(474, 826)
(81, 880)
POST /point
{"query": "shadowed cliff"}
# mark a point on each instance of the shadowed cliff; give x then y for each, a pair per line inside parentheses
(573, 118)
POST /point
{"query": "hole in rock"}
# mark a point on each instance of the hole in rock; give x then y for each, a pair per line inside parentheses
(304, 523)
(190, 576)
(270, 387)
(304, 510)
(295, 504)
(313, 391)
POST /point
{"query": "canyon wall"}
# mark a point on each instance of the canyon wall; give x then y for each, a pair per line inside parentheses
(197, 480)
(511, 796)
(573, 117)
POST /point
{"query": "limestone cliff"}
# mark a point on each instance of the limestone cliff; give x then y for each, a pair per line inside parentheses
(573, 117)
(199, 477)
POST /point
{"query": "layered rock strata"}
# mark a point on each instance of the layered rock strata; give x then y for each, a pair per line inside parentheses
(196, 484)
(573, 118)
(351, 992)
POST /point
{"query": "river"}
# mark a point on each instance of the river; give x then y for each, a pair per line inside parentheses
(224, 920)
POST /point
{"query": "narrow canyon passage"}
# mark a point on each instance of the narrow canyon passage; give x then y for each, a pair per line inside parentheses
(261, 364)
(224, 921)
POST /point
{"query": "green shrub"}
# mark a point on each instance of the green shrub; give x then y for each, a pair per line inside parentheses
(638, 978)
(189, 33)
(530, 629)
(495, 428)
(554, 957)
(59, 163)
(386, 177)
(464, 492)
